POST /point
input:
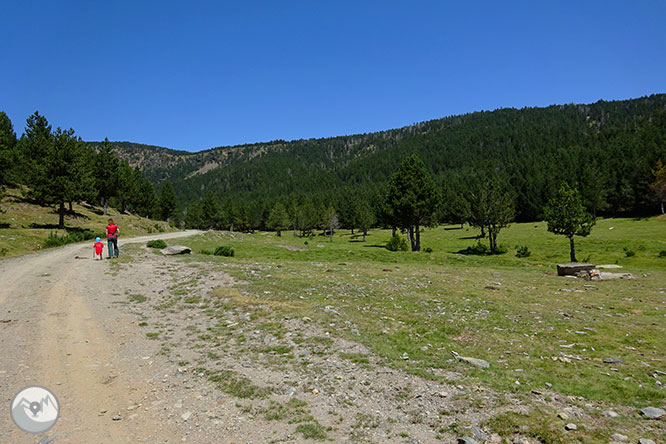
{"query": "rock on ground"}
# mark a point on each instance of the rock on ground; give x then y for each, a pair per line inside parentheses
(176, 249)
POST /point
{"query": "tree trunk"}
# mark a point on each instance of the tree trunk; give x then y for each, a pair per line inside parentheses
(365, 232)
(462, 225)
(61, 216)
(392, 231)
(418, 239)
(71, 210)
(573, 249)
(483, 231)
(279, 233)
(106, 205)
(331, 235)
(352, 231)
(410, 236)
(662, 207)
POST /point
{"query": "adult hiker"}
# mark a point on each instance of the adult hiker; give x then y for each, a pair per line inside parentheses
(112, 231)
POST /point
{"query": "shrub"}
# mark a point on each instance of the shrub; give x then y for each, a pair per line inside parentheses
(158, 243)
(397, 243)
(522, 251)
(206, 252)
(224, 250)
(629, 252)
(78, 236)
(662, 253)
(427, 250)
(482, 250)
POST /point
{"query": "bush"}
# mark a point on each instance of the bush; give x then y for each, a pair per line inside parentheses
(427, 250)
(224, 250)
(78, 236)
(397, 243)
(629, 252)
(662, 253)
(158, 243)
(522, 251)
(483, 250)
(206, 252)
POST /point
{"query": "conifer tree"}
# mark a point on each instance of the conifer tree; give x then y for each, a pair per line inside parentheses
(278, 219)
(566, 215)
(167, 202)
(7, 151)
(658, 187)
(412, 198)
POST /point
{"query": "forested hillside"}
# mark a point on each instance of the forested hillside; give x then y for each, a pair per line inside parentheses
(606, 150)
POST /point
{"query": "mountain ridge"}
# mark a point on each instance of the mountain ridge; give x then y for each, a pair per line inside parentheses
(513, 141)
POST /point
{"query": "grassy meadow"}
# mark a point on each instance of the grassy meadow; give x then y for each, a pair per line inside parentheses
(538, 331)
(25, 227)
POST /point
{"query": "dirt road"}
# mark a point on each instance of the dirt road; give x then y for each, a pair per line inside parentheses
(58, 330)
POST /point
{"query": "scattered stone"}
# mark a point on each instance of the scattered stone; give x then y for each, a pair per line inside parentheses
(185, 416)
(563, 416)
(611, 414)
(604, 276)
(315, 391)
(117, 418)
(472, 361)
(467, 440)
(613, 360)
(330, 309)
(619, 437)
(573, 269)
(571, 427)
(645, 441)
(176, 249)
(653, 412)
(478, 433)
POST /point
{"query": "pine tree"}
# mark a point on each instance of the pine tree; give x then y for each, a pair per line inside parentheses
(491, 209)
(33, 147)
(106, 174)
(7, 151)
(211, 217)
(412, 198)
(566, 215)
(167, 202)
(658, 187)
(278, 219)
(364, 217)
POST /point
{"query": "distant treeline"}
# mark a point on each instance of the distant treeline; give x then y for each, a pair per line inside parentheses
(606, 150)
(57, 168)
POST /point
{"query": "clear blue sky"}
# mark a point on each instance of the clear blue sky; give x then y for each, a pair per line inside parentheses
(197, 74)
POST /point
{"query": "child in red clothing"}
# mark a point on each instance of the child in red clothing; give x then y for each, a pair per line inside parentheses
(99, 246)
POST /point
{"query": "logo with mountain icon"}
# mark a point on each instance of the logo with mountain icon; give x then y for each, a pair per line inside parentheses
(35, 409)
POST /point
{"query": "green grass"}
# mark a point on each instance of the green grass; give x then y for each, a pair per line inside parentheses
(513, 312)
(311, 430)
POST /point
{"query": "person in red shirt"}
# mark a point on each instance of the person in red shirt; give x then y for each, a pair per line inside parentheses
(99, 247)
(112, 231)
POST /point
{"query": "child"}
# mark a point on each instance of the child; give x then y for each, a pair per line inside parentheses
(99, 246)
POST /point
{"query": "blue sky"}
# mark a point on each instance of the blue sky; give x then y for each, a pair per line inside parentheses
(198, 74)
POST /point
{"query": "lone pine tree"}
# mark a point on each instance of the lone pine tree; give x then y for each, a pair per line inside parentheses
(412, 198)
(566, 215)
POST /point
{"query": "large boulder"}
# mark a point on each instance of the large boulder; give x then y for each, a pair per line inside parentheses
(573, 269)
(176, 249)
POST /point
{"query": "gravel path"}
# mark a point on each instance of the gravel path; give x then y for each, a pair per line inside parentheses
(58, 330)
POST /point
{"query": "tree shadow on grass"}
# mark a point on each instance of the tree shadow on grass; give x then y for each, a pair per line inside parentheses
(55, 227)
(374, 246)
